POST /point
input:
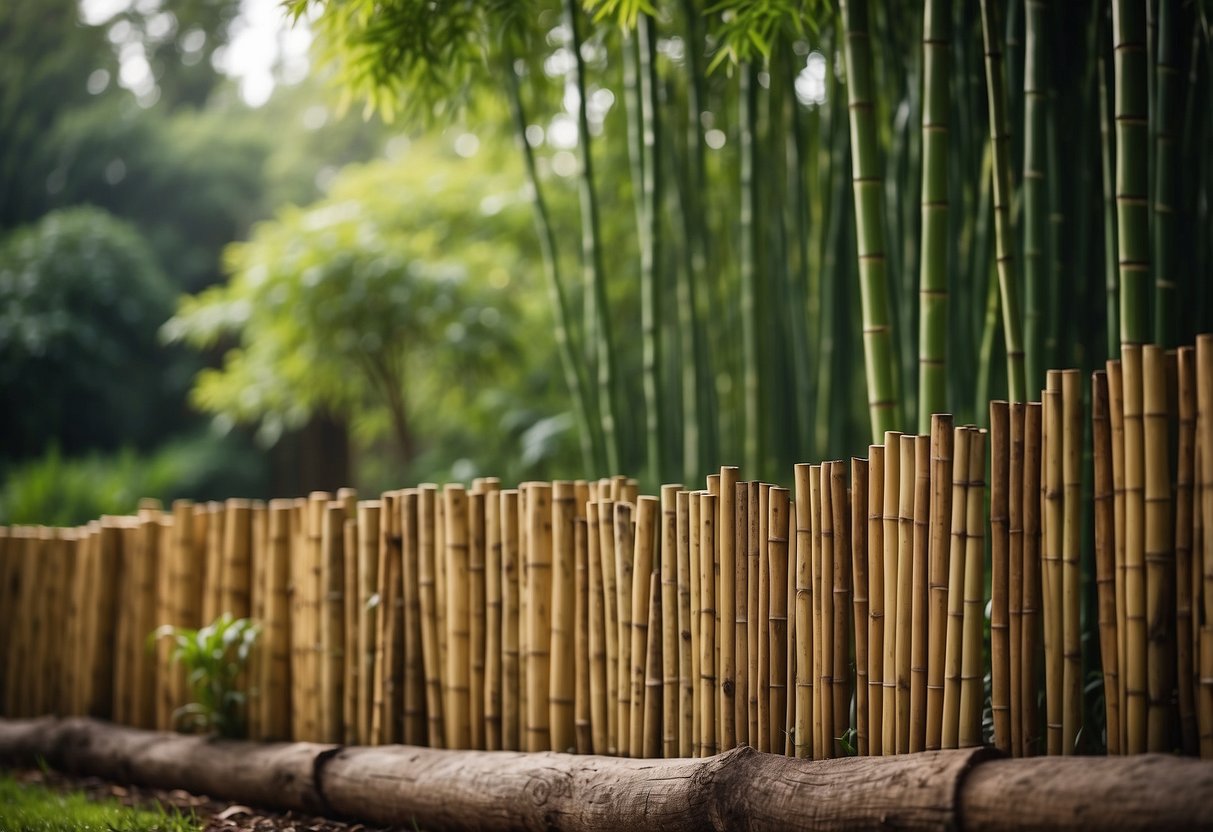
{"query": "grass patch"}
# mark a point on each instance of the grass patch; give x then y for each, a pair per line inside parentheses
(34, 808)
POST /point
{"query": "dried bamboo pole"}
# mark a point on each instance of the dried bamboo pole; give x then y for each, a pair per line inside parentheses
(1105, 556)
(186, 591)
(842, 605)
(539, 615)
(1053, 541)
(165, 673)
(1159, 554)
(726, 607)
(707, 623)
(876, 611)
(351, 718)
(789, 720)
(939, 533)
(385, 685)
(741, 617)
(582, 715)
(1116, 420)
(368, 514)
(313, 609)
(427, 584)
(651, 720)
(695, 577)
(1000, 544)
(260, 540)
(974, 600)
(686, 678)
(332, 622)
(647, 518)
(777, 554)
(606, 544)
(760, 645)
(905, 589)
(475, 591)
(563, 676)
(1072, 433)
(235, 578)
(511, 623)
(1015, 517)
(1135, 579)
(212, 591)
(920, 566)
(1184, 574)
(859, 574)
(892, 492)
(1203, 550)
(823, 578)
(670, 640)
(804, 613)
(954, 632)
(625, 555)
(297, 569)
(275, 677)
(494, 595)
(144, 675)
(599, 701)
(524, 601)
(1030, 634)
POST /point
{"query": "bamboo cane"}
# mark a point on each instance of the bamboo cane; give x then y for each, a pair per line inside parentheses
(296, 570)
(876, 611)
(1105, 556)
(1071, 645)
(919, 568)
(892, 485)
(511, 622)
(842, 606)
(237, 549)
(1000, 671)
(313, 609)
(524, 602)
(1033, 456)
(789, 720)
(1116, 420)
(625, 554)
(686, 678)
(582, 724)
(370, 608)
(1053, 541)
(695, 578)
(707, 623)
(741, 640)
(939, 533)
(212, 592)
(351, 717)
(494, 594)
(562, 679)
(904, 633)
(385, 684)
(1015, 517)
(599, 702)
(275, 681)
(823, 611)
(804, 613)
(332, 623)
(974, 601)
(651, 720)
(670, 639)
(1184, 584)
(539, 615)
(427, 571)
(606, 533)
(1159, 555)
(954, 633)
(726, 607)
(1135, 580)
(165, 673)
(475, 593)
(777, 553)
(647, 518)
(145, 620)
(859, 571)
(758, 604)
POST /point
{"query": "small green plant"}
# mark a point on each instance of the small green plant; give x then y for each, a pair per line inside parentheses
(214, 658)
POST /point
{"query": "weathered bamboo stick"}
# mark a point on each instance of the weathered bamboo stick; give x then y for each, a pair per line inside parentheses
(695, 578)
(859, 572)
(1159, 553)
(686, 646)
(1033, 417)
(1000, 544)
(560, 693)
(539, 615)
(1135, 579)
(511, 622)
(524, 602)
(756, 632)
(351, 718)
(892, 493)
(1071, 645)
(369, 513)
(494, 595)
(427, 571)
(599, 701)
(919, 568)
(842, 606)
(212, 592)
(670, 639)
(582, 711)
(1105, 555)
(954, 634)
(804, 614)
(651, 720)
(939, 534)
(974, 596)
(905, 589)
(1015, 528)
(274, 641)
(1051, 571)
(876, 613)
(475, 590)
(625, 555)
(726, 607)
(385, 684)
(707, 623)
(741, 617)
(1185, 657)
(823, 597)
(648, 513)
(297, 574)
(1116, 421)
(332, 622)
(777, 553)
(606, 553)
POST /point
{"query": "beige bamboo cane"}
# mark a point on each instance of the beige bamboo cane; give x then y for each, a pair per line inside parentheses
(477, 624)
(296, 569)
(707, 622)
(954, 632)
(563, 673)
(368, 514)
(842, 605)
(1116, 421)
(974, 600)
(257, 600)
(758, 604)
(1072, 434)
(803, 730)
(456, 687)
(385, 684)
(122, 540)
(892, 492)
(670, 639)
(1159, 553)
(332, 622)
(777, 555)
(919, 580)
(741, 618)
(524, 600)
(581, 496)
(1135, 579)
(145, 667)
(763, 668)
(939, 534)
(1000, 544)
(50, 602)
(905, 589)
(275, 633)
(695, 578)
(819, 744)
(237, 549)
(18, 656)
(511, 566)
(822, 573)
(599, 702)
(351, 717)
(625, 555)
(1185, 474)
(413, 726)
(64, 659)
(212, 590)
(1105, 555)
(165, 673)
(648, 512)
(313, 609)
(427, 584)
(539, 615)
(653, 671)
(1015, 573)
(875, 622)
(606, 552)
(726, 607)
(186, 589)
(1051, 572)
(686, 678)
(859, 577)
(789, 720)
(1030, 634)
(582, 712)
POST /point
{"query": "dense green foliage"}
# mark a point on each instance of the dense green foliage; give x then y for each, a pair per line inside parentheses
(26, 807)
(214, 657)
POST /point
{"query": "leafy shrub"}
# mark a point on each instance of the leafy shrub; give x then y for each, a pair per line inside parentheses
(214, 656)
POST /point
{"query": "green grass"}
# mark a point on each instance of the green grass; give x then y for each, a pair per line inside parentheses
(34, 808)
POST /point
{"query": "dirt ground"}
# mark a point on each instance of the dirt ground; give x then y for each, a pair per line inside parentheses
(215, 815)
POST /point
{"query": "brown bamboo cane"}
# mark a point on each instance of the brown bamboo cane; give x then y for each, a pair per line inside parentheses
(65, 656)
(1000, 544)
(939, 535)
(1135, 579)
(875, 622)
(760, 601)
(1030, 633)
(10, 598)
(599, 702)
(1051, 572)
(105, 591)
(235, 582)
(823, 596)
(954, 632)
(123, 532)
(1072, 433)
(52, 603)
(275, 635)
(726, 607)
(313, 609)
(606, 540)
(563, 672)
(668, 559)
(754, 544)
(974, 600)
(777, 554)
(165, 615)
(1159, 553)
(651, 721)
(539, 615)
(905, 589)
(1015, 512)
(494, 584)
(741, 619)
(524, 600)
(695, 578)
(187, 601)
(707, 623)
(859, 573)
(1116, 421)
(427, 583)
(892, 492)
(919, 599)
(842, 606)
(804, 613)
(511, 622)
(476, 591)
(1105, 555)
(790, 664)
(257, 601)
(145, 673)
(385, 683)
(296, 571)
(1184, 584)
(413, 729)
(625, 555)
(686, 678)
(648, 513)
(332, 622)
(368, 513)
(351, 718)
(1203, 704)
(212, 591)
(582, 712)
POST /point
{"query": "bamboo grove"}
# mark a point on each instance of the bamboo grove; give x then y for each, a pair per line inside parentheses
(844, 615)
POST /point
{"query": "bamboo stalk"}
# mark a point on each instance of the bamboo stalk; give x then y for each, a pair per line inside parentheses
(427, 570)
(144, 675)
(726, 607)
(332, 623)
(413, 729)
(370, 607)
(385, 683)
(741, 587)
(842, 606)
(876, 611)
(237, 545)
(511, 622)
(582, 715)
(296, 573)
(625, 554)
(686, 683)
(905, 589)
(651, 720)
(954, 635)
(560, 693)
(859, 575)
(599, 702)
(212, 592)
(919, 568)
(937, 618)
(670, 639)
(777, 553)
(1015, 572)
(1186, 578)
(695, 578)
(707, 623)
(763, 675)
(1053, 541)
(494, 594)
(892, 486)
(1000, 658)
(789, 719)
(647, 518)
(1116, 420)
(351, 717)
(1159, 554)
(823, 597)
(606, 543)
(974, 602)
(1031, 636)
(539, 615)
(1105, 556)
(804, 735)
(475, 592)
(1071, 645)
(524, 602)
(1203, 539)
(1135, 588)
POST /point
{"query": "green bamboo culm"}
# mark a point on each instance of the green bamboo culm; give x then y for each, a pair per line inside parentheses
(1132, 169)
(1108, 158)
(746, 101)
(868, 184)
(933, 273)
(1166, 107)
(1035, 209)
(1004, 235)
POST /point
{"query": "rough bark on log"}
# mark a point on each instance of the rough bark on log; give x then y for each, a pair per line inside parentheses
(741, 789)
